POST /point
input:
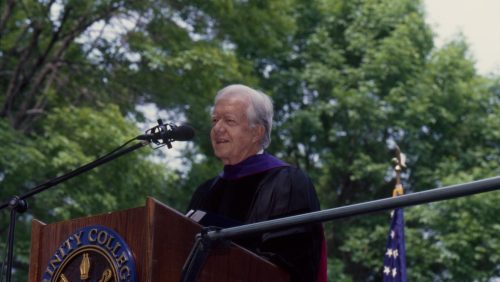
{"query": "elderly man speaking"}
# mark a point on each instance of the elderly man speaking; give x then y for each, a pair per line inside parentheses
(256, 186)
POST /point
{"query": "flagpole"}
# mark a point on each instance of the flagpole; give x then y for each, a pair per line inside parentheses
(394, 266)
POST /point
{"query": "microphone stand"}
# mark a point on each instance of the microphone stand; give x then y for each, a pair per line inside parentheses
(17, 204)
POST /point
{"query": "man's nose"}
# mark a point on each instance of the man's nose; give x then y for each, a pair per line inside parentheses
(218, 126)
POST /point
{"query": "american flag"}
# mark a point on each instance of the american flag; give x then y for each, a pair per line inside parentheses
(395, 254)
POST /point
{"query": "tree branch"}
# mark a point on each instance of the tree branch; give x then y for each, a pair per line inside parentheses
(7, 12)
(37, 77)
(16, 82)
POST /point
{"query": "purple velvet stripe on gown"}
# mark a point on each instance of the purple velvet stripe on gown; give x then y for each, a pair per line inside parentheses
(253, 165)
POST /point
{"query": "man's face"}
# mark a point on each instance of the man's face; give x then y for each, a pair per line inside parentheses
(233, 139)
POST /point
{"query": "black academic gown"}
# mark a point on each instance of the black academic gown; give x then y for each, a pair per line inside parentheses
(278, 192)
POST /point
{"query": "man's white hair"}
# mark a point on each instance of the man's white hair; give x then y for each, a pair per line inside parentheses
(260, 110)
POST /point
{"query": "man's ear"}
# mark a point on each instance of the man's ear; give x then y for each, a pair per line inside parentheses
(258, 132)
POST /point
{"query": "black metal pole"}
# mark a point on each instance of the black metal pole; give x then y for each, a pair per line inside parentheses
(78, 171)
(10, 244)
(197, 257)
(18, 203)
(428, 196)
(433, 195)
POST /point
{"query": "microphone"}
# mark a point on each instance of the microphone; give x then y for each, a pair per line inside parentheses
(166, 133)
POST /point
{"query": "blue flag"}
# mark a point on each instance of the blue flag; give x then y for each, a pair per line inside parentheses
(394, 269)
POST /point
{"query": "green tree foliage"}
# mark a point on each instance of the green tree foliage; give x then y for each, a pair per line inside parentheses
(370, 78)
(187, 50)
(72, 138)
(45, 58)
(349, 80)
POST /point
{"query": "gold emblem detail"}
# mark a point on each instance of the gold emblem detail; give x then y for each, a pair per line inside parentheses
(106, 275)
(63, 278)
(399, 164)
(84, 267)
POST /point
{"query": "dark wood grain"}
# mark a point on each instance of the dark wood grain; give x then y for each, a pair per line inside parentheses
(160, 239)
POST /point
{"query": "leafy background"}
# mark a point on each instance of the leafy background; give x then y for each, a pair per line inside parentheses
(349, 80)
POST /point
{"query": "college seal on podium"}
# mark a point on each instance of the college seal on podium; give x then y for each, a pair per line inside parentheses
(93, 253)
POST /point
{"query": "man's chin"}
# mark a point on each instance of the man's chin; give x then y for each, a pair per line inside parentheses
(220, 154)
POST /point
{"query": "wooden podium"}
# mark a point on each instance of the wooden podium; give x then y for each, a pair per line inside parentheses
(160, 240)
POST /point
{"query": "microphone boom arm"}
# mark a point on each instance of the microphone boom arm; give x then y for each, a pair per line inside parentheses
(17, 204)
